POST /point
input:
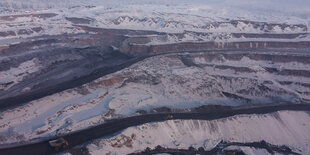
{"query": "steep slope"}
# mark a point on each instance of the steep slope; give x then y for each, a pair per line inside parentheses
(66, 65)
(284, 128)
(177, 81)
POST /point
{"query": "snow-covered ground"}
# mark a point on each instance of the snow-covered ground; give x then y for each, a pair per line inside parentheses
(242, 9)
(221, 37)
(175, 80)
(173, 16)
(14, 75)
(160, 81)
(280, 128)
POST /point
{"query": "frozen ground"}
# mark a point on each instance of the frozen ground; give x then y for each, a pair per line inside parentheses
(259, 9)
(173, 80)
(284, 128)
(176, 81)
(15, 75)
(220, 18)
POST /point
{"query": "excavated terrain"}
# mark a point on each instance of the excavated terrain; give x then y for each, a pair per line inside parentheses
(68, 69)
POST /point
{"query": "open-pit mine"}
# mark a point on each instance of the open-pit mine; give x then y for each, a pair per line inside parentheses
(154, 77)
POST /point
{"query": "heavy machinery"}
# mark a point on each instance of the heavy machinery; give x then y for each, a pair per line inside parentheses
(59, 143)
(170, 117)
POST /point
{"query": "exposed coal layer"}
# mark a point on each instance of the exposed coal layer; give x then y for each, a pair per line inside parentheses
(69, 61)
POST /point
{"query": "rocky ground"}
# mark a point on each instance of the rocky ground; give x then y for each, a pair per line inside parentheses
(67, 67)
(176, 81)
(286, 129)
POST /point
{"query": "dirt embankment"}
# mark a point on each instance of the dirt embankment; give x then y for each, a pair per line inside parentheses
(14, 17)
(221, 148)
(75, 20)
(135, 49)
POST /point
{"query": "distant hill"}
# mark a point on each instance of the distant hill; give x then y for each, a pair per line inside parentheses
(37, 4)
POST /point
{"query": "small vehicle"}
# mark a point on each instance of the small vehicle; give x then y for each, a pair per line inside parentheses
(59, 143)
(170, 117)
